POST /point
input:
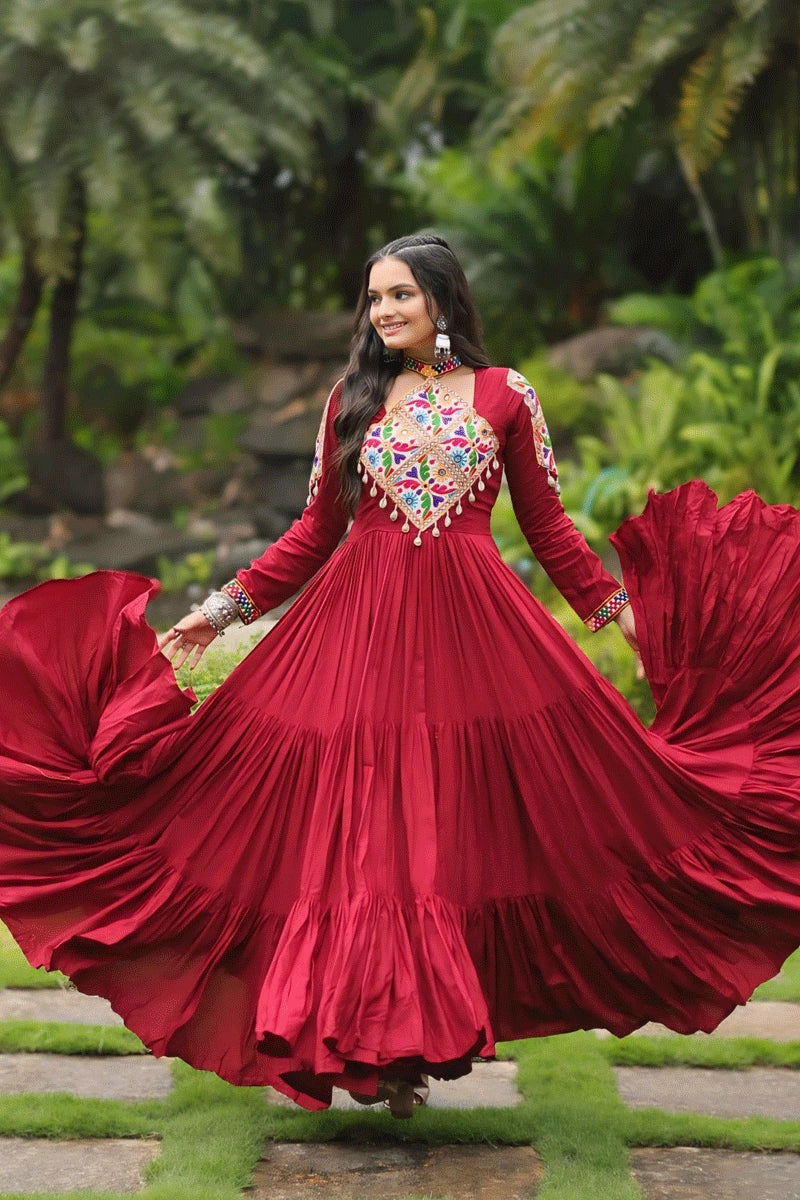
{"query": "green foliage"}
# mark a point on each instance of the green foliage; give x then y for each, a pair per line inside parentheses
(715, 80)
(543, 240)
(30, 560)
(193, 568)
(728, 413)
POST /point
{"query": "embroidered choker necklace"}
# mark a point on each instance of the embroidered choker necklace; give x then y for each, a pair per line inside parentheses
(430, 369)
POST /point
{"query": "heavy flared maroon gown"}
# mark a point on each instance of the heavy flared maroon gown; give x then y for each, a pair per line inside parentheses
(415, 819)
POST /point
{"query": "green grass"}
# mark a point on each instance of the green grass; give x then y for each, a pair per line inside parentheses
(785, 986)
(16, 971)
(51, 1037)
(731, 1054)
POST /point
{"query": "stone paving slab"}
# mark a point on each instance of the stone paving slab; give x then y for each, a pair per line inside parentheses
(30, 1165)
(292, 1171)
(132, 1077)
(757, 1092)
(55, 1004)
(775, 1019)
(488, 1085)
(687, 1173)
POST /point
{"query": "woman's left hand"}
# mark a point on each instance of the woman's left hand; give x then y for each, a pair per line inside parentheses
(187, 641)
(627, 624)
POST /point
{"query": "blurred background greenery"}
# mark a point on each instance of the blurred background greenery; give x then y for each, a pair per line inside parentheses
(620, 181)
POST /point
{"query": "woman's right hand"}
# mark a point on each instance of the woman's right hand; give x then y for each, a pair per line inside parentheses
(187, 641)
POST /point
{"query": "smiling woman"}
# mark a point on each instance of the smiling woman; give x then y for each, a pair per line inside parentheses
(414, 819)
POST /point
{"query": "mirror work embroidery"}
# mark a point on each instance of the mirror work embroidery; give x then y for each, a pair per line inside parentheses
(426, 454)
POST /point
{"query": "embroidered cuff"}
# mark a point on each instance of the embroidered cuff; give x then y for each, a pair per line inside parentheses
(248, 610)
(608, 610)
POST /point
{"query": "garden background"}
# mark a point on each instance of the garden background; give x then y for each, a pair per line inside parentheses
(188, 191)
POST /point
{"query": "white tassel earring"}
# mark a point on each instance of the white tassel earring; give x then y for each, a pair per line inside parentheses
(442, 345)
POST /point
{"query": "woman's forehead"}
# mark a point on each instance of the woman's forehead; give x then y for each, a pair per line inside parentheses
(388, 273)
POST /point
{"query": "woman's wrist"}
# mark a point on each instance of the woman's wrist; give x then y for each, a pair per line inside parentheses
(220, 610)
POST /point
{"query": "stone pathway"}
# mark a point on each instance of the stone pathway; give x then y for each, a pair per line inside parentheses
(686, 1173)
(689, 1173)
(339, 1171)
(56, 1004)
(291, 1171)
(774, 1019)
(104, 1164)
(756, 1092)
(86, 1076)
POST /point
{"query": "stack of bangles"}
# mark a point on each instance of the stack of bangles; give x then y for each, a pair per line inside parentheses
(219, 610)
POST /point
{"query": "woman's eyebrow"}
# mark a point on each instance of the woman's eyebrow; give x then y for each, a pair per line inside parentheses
(395, 287)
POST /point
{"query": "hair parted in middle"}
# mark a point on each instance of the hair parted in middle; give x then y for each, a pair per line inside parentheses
(369, 373)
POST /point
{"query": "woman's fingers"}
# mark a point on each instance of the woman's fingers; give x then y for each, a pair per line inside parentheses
(179, 644)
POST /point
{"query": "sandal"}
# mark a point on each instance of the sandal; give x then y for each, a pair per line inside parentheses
(402, 1097)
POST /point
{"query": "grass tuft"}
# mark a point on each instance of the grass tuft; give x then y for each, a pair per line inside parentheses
(51, 1037)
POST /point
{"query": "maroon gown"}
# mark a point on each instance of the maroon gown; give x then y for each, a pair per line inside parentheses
(415, 818)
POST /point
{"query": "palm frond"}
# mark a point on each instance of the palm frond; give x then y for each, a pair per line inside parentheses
(714, 89)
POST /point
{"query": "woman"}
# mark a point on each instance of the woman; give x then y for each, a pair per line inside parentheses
(414, 819)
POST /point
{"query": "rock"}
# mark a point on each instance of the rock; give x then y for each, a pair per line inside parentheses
(296, 335)
(62, 475)
(612, 348)
(197, 395)
(283, 487)
(269, 522)
(275, 385)
(23, 528)
(126, 550)
(272, 435)
(135, 481)
(233, 397)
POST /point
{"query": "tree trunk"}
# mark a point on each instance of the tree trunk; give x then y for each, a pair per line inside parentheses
(63, 311)
(29, 297)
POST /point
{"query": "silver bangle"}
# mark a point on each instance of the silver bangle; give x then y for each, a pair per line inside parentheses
(219, 610)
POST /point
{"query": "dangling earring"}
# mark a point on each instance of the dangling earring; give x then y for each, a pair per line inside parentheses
(442, 345)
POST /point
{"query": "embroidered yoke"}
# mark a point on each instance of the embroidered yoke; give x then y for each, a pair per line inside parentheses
(436, 459)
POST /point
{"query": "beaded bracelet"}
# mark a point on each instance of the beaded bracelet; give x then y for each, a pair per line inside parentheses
(608, 610)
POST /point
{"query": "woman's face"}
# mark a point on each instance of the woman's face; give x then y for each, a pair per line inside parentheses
(398, 308)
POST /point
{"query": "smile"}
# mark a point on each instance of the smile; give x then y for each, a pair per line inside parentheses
(393, 328)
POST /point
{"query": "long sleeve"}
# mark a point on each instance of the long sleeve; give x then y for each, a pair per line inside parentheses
(532, 477)
(290, 562)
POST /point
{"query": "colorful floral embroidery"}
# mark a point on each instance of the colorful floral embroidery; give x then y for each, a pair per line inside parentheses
(608, 610)
(319, 447)
(541, 435)
(427, 453)
(248, 610)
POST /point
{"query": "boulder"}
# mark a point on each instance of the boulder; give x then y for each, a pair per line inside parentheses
(62, 476)
(197, 395)
(136, 481)
(275, 385)
(612, 348)
(287, 336)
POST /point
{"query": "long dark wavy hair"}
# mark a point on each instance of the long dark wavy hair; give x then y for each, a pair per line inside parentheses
(369, 372)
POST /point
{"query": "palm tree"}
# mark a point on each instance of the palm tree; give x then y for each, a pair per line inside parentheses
(139, 109)
(718, 75)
